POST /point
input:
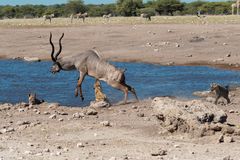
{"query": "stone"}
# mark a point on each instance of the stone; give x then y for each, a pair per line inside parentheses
(46, 113)
(53, 105)
(46, 150)
(105, 123)
(32, 59)
(228, 130)
(113, 158)
(53, 116)
(91, 112)
(19, 123)
(140, 114)
(60, 120)
(228, 55)
(228, 139)
(231, 111)
(100, 104)
(80, 145)
(177, 45)
(221, 139)
(160, 153)
(78, 115)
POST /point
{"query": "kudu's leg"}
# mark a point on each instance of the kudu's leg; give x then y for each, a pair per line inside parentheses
(216, 100)
(79, 85)
(132, 90)
(121, 87)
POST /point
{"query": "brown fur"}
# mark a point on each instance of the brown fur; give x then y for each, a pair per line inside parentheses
(99, 95)
(32, 99)
(220, 92)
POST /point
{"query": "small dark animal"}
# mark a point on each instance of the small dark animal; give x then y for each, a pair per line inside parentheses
(32, 99)
(145, 15)
(220, 92)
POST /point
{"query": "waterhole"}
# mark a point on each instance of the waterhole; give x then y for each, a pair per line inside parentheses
(19, 78)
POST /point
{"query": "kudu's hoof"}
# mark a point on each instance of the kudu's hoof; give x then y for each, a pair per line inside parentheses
(82, 98)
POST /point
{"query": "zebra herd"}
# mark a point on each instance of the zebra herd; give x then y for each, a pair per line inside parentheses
(84, 15)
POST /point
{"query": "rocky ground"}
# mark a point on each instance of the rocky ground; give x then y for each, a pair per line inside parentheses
(143, 130)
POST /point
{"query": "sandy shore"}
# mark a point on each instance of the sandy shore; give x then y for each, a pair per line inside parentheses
(179, 44)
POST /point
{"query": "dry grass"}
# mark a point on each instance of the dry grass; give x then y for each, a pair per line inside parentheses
(64, 22)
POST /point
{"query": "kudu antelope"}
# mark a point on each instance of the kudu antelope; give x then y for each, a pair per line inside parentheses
(89, 63)
(48, 17)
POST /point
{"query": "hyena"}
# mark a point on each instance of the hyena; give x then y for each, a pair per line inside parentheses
(32, 99)
(220, 92)
(99, 95)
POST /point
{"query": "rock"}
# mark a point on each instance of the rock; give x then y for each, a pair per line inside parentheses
(28, 152)
(63, 113)
(228, 130)
(170, 31)
(80, 145)
(140, 114)
(60, 120)
(134, 107)
(156, 50)
(196, 39)
(46, 150)
(19, 123)
(228, 55)
(160, 153)
(187, 116)
(113, 158)
(91, 112)
(202, 93)
(231, 111)
(78, 115)
(148, 44)
(221, 139)
(218, 60)
(177, 45)
(228, 139)
(225, 44)
(53, 105)
(46, 113)
(32, 59)
(7, 130)
(54, 116)
(101, 104)
(105, 123)
(21, 110)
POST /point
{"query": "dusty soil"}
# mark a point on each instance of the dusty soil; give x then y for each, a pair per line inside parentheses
(131, 135)
(153, 43)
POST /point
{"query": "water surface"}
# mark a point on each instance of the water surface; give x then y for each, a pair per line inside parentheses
(18, 79)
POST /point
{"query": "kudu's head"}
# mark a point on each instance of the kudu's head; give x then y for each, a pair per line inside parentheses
(56, 65)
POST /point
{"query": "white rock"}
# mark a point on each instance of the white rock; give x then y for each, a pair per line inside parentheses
(105, 123)
(80, 145)
(32, 59)
(54, 116)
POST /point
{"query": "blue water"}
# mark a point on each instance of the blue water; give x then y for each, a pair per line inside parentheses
(18, 79)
